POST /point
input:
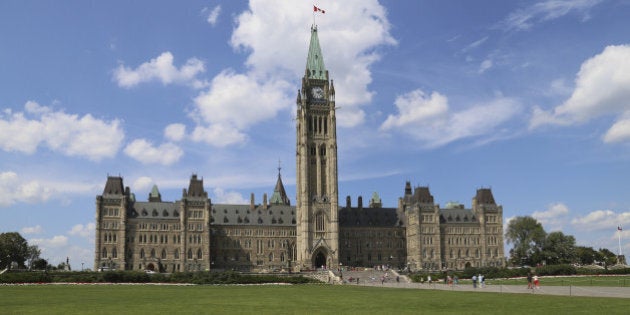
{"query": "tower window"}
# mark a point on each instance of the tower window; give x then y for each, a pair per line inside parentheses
(319, 223)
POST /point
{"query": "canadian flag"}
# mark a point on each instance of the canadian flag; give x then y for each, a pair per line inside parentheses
(316, 9)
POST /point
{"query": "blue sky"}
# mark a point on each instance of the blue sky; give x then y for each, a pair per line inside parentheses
(530, 98)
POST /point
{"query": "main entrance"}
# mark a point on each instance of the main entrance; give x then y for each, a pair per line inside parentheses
(320, 260)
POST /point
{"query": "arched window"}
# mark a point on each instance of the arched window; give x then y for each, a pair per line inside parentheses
(152, 253)
(104, 253)
(270, 256)
(176, 254)
(199, 254)
(163, 255)
(114, 253)
(319, 223)
(142, 253)
(190, 254)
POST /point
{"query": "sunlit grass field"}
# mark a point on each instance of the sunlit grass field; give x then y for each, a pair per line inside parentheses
(285, 299)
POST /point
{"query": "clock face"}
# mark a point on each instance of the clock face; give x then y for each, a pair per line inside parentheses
(317, 92)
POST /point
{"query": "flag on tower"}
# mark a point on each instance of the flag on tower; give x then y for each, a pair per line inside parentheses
(619, 228)
(316, 9)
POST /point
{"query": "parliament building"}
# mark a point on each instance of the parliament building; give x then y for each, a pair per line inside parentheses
(270, 235)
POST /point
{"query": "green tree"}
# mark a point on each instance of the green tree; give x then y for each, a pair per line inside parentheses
(559, 248)
(33, 253)
(39, 264)
(608, 258)
(528, 237)
(587, 255)
(13, 248)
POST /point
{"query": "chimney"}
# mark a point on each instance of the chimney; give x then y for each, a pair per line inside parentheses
(265, 201)
(252, 205)
(348, 202)
(360, 202)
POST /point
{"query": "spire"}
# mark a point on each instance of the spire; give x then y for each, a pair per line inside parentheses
(315, 68)
(155, 195)
(279, 196)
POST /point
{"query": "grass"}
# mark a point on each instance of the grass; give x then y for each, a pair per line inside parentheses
(285, 299)
(586, 281)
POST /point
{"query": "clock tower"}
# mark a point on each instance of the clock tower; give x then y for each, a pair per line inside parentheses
(316, 155)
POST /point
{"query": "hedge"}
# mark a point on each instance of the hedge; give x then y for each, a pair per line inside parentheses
(201, 277)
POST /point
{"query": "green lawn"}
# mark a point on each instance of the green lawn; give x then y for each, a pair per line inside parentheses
(593, 281)
(282, 299)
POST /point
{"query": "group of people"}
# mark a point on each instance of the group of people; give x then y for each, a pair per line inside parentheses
(532, 281)
(481, 279)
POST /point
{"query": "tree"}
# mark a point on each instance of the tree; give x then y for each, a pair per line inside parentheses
(559, 248)
(586, 255)
(33, 253)
(13, 248)
(39, 264)
(528, 237)
(608, 258)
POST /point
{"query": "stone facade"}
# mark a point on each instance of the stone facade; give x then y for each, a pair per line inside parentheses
(194, 234)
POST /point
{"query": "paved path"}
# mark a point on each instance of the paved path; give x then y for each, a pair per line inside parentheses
(373, 278)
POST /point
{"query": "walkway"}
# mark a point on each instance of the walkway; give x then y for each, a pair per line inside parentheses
(373, 278)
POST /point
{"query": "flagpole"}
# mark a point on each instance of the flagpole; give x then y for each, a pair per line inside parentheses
(619, 229)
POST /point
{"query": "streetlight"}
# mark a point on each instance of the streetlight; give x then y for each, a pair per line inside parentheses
(81, 266)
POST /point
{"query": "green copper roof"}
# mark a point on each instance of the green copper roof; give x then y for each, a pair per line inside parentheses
(279, 196)
(315, 60)
(155, 192)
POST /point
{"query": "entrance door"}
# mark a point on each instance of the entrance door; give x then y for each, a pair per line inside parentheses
(320, 260)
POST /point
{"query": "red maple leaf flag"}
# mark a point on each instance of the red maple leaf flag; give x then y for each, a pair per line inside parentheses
(316, 9)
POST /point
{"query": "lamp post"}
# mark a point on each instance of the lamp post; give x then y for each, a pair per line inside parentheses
(81, 266)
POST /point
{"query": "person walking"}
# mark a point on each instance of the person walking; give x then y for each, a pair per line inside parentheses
(474, 281)
(536, 282)
(529, 280)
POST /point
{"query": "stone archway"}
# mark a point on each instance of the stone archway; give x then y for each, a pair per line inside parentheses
(151, 267)
(319, 259)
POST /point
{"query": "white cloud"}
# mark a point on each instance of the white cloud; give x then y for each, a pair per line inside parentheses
(13, 189)
(475, 44)
(175, 132)
(143, 151)
(142, 183)
(348, 39)
(218, 135)
(32, 230)
(54, 242)
(619, 131)
(548, 10)
(429, 119)
(601, 220)
(162, 69)
(602, 87)
(213, 16)
(228, 197)
(86, 230)
(554, 217)
(485, 65)
(240, 100)
(69, 134)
